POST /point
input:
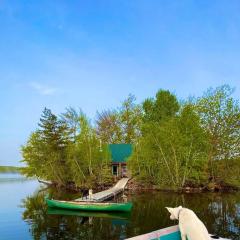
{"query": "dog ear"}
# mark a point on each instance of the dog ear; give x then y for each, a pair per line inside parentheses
(180, 207)
(169, 209)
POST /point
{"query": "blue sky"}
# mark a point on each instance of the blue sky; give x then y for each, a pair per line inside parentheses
(92, 54)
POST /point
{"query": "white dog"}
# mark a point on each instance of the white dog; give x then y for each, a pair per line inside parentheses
(191, 227)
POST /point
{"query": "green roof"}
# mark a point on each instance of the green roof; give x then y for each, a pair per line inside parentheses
(120, 152)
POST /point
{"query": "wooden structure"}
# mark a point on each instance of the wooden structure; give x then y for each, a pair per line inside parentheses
(119, 154)
(109, 193)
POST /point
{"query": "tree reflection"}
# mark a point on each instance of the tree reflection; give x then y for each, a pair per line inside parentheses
(220, 213)
(62, 224)
(35, 215)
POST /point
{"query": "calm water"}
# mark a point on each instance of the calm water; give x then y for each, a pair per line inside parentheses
(23, 214)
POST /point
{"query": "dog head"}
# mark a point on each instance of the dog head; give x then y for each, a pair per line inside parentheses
(174, 212)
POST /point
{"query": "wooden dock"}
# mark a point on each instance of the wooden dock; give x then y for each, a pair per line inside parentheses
(104, 195)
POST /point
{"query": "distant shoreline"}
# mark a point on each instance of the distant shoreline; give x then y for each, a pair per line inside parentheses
(9, 169)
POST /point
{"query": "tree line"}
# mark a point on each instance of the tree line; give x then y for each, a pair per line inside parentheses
(70, 151)
(176, 143)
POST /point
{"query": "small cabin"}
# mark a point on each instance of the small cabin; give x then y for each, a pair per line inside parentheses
(120, 153)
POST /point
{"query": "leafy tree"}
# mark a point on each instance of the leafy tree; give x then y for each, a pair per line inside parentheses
(34, 156)
(54, 134)
(122, 125)
(172, 153)
(89, 162)
(131, 119)
(174, 144)
(45, 151)
(66, 151)
(220, 116)
(52, 130)
(72, 120)
(164, 105)
(108, 127)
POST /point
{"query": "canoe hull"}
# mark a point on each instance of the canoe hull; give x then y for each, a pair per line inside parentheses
(170, 233)
(104, 207)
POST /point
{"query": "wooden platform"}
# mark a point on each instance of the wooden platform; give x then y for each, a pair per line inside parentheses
(104, 195)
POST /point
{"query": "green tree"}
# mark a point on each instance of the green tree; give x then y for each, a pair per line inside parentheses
(165, 104)
(220, 116)
(45, 152)
(88, 160)
(67, 151)
(34, 156)
(131, 120)
(71, 117)
(52, 130)
(173, 152)
(122, 125)
(108, 127)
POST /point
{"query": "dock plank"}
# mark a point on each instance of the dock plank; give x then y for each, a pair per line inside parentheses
(106, 194)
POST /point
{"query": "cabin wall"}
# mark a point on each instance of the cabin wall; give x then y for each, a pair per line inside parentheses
(119, 154)
(119, 169)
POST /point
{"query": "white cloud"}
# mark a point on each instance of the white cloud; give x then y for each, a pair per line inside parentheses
(43, 89)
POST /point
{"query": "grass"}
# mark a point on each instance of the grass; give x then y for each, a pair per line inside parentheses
(9, 169)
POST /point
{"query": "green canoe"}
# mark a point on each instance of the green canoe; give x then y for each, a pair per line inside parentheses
(90, 206)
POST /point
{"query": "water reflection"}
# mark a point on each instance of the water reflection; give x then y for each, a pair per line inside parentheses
(220, 213)
(11, 178)
(90, 214)
(50, 223)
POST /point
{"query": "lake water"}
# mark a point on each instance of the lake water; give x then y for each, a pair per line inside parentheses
(24, 215)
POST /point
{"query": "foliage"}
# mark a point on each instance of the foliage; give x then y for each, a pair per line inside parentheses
(164, 105)
(72, 120)
(45, 151)
(87, 159)
(109, 127)
(9, 169)
(220, 116)
(195, 142)
(173, 152)
(131, 119)
(122, 125)
(66, 151)
(192, 143)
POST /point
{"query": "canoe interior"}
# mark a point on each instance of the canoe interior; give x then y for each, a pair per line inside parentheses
(171, 236)
(89, 206)
(170, 233)
(89, 203)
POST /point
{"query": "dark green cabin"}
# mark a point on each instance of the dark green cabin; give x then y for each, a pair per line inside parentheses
(120, 153)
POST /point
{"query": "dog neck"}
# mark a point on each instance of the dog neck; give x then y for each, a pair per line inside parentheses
(179, 213)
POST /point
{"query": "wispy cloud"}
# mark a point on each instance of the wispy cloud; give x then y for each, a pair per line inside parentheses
(43, 89)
